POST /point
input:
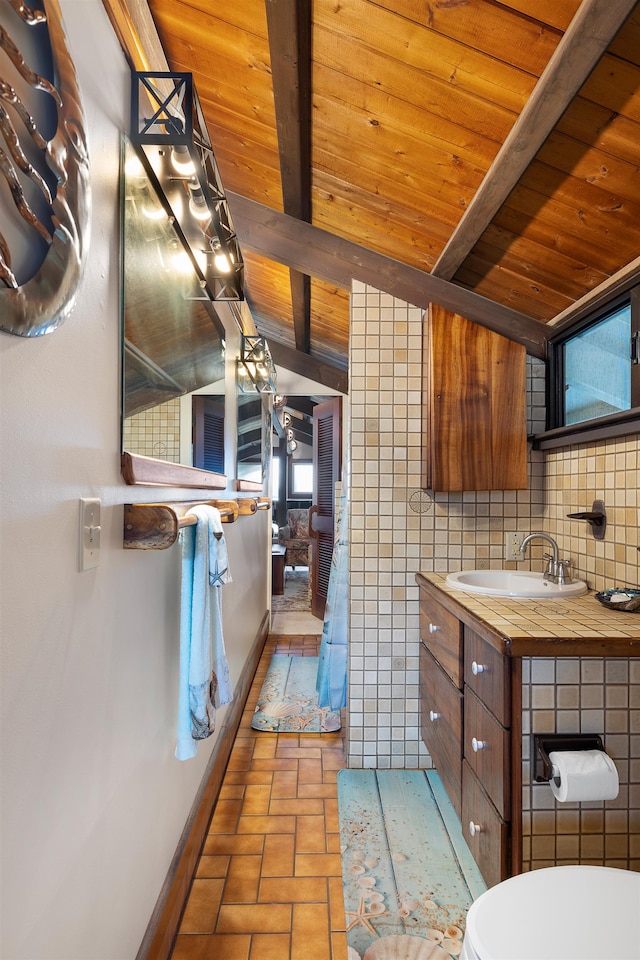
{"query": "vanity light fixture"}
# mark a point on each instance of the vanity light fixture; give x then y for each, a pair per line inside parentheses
(169, 135)
(256, 370)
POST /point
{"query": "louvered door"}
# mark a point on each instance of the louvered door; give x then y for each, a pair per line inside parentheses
(327, 446)
(208, 433)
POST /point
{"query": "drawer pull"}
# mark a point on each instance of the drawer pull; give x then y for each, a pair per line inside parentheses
(433, 628)
(474, 828)
(478, 744)
(433, 716)
(477, 668)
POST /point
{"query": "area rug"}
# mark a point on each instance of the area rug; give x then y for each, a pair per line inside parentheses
(288, 702)
(408, 875)
(296, 591)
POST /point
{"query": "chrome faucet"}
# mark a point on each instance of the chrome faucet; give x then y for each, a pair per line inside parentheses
(556, 569)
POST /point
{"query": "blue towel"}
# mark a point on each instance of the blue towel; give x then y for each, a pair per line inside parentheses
(204, 673)
(331, 684)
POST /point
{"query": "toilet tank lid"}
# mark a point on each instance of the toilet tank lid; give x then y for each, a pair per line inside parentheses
(564, 913)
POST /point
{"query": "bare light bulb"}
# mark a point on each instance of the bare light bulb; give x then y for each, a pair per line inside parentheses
(181, 160)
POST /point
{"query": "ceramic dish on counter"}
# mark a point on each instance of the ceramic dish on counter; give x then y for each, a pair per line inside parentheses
(626, 599)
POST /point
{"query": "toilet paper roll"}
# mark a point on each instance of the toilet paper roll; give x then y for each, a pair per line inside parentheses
(583, 775)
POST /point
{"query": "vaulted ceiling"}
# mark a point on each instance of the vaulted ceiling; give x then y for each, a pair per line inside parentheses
(481, 154)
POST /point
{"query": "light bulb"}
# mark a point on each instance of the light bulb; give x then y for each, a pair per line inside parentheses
(181, 160)
(221, 262)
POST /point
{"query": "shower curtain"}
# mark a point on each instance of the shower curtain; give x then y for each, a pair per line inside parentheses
(331, 684)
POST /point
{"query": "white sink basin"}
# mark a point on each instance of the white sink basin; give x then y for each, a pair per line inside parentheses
(513, 583)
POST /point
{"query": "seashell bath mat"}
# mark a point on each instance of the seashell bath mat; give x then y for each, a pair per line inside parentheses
(288, 701)
(408, 876)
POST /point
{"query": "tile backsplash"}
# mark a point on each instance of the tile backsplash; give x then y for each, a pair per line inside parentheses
(154, 432)
(587, 695)
(397, 529)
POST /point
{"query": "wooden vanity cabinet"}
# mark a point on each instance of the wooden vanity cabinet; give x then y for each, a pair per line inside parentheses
(441, 724)
(466, 725)
(474, 406)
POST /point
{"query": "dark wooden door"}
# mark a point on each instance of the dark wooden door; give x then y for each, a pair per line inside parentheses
(327, 451)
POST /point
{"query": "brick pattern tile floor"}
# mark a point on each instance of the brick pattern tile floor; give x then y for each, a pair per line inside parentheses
(268, 883)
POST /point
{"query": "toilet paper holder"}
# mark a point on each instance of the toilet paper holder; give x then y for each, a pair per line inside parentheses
(546, 743)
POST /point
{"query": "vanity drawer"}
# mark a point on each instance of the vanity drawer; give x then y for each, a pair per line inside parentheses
(486, 748)
(441, 631)
(441, 723)
(487, 672)
(489, 841)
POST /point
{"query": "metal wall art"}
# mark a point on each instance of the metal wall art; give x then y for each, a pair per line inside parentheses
(44, 163)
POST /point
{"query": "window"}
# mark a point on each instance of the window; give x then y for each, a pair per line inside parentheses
(594, 375)
(301, 481)
(275, 478)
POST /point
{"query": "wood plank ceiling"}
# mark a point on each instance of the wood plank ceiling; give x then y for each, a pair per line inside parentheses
(482, 154)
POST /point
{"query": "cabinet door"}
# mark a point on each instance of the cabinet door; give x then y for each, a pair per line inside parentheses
(487, 672)
(474, 406)
(441, 724)
(485, 831)
(441, 632)
(486, 748)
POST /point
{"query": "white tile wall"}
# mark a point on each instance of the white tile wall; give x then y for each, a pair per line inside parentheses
(396, 529)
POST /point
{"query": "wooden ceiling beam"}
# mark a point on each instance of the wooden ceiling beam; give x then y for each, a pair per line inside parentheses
(317, 253)
(289, 28)
(306, 366)
(586, 39)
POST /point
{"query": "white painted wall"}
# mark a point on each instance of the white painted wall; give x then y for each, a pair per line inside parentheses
(92, 799)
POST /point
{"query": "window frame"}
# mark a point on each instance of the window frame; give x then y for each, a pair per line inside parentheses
(614, 425)
(295, 494)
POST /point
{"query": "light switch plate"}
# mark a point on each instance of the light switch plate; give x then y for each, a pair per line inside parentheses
(89, 533)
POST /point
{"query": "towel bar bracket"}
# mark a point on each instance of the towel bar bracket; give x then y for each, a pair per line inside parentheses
(155, 526)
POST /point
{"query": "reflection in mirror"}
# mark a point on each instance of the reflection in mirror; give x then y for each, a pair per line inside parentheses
(254, 437)
(173, 339)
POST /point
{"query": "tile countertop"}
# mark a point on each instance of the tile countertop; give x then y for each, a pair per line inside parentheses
(574, 626)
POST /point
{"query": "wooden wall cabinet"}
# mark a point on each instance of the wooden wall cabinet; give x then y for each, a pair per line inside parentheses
(465, 716)
(474, 406)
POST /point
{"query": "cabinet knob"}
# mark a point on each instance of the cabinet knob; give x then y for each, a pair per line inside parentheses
(477, 668)
(433, 628)
(478, 744)
(474, 828)
(433, 715)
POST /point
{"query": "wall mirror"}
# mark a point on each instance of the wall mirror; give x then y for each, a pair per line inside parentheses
(173, 364)
(254, 440)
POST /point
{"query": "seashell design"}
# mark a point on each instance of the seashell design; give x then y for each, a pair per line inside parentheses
(371, 862)
(376, 908)
(405, 947)
(453, 933)
(331, 722)
(430, 905)
(399, 857)
(358, 855)
(409, 904)
(356, 869)
(375, 897)
(367, 881)
(281, 708)
(454, 947)
(434, 934)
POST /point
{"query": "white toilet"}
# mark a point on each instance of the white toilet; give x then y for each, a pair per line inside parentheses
(558, 913)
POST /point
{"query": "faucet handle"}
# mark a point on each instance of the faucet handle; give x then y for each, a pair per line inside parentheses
(563, 571)
(551, 569)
